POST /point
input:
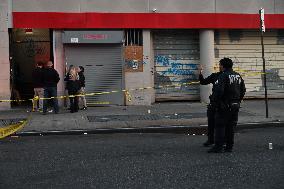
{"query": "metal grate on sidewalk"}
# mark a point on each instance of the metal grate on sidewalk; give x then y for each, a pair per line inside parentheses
(7, 122)
(144, 117)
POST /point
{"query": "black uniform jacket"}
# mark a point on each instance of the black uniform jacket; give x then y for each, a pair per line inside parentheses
(211, 79)
(229, 88)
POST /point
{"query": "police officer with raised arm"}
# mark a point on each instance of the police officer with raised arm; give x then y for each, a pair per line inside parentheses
(227, 95)
(211, 79)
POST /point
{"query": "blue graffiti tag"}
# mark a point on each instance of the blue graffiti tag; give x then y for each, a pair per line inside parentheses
(177, 72)
(177, 65)
(162, 60)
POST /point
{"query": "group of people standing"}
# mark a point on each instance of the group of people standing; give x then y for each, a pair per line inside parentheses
(222, 112)
(75, 85)
(227, 93)
(45, 79)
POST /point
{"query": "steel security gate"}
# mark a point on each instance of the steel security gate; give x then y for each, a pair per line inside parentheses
(176, 61)
(244, 47)
(103, 70)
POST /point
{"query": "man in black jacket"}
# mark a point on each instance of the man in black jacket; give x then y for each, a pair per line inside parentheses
(38, 87)
(211, 79)
(50, 78)
(227, 95)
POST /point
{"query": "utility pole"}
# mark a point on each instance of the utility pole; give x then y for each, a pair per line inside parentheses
(262, 30)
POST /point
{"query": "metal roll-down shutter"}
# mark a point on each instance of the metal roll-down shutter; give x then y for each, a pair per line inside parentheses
(176, 62)
(103, 70)
(244, 47)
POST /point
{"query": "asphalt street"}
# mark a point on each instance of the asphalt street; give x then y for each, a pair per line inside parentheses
(142, 161)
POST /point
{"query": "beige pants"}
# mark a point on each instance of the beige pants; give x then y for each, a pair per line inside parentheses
(38, 104)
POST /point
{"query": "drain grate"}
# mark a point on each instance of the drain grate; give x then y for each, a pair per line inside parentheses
(6, 122)
(152, 117)
(143, 117)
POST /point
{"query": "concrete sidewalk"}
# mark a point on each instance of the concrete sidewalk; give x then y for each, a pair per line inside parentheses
(159, 117)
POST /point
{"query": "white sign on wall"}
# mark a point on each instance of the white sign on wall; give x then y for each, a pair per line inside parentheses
(261, 13)
(74, 40)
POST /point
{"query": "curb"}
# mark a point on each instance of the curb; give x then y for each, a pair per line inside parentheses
(256, 125)
(191, 130)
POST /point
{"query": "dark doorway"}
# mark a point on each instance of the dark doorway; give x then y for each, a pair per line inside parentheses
(27, 47)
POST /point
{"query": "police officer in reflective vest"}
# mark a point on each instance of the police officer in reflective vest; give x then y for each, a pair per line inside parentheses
(227, 95)
(211, 79)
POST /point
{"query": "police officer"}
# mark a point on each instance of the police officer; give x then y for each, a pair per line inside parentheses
(211, 79)
(228, 93)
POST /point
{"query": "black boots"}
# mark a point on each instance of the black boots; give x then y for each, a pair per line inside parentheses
(216, 149)
(220, 149)
(208, 143)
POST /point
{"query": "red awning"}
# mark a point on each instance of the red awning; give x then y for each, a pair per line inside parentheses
(145, 20)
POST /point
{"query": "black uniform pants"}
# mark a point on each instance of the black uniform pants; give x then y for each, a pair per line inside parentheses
(211, 122)
(225, 123)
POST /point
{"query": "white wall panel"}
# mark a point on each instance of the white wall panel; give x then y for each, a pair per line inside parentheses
(169, 6)
(46, 5)
(183, 6)
(4, 55)
(244, 6)
(135, 80)
(245, 49)
(279, 6)
(3, 15)
(4, 40)
(59, 62)
(114, 6)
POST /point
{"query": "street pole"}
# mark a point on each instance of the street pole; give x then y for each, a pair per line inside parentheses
(262, 29)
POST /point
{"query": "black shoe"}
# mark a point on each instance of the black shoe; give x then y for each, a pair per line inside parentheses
(228, 150)
(207, 144)
(216, 149)
(84, 108)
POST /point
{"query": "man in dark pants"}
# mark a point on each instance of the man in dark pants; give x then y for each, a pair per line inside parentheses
(227, 95)
(211, 79)
(50, 79)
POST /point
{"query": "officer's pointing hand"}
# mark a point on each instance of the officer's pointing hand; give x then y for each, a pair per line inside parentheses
(200, 69)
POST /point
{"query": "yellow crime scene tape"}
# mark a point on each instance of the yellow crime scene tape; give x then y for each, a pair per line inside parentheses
(8, 130)
(11, 129)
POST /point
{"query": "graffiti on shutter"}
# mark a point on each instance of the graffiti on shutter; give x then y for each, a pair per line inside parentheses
(176, 63)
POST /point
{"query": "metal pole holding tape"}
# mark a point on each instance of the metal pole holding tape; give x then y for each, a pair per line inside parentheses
(262, 30)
